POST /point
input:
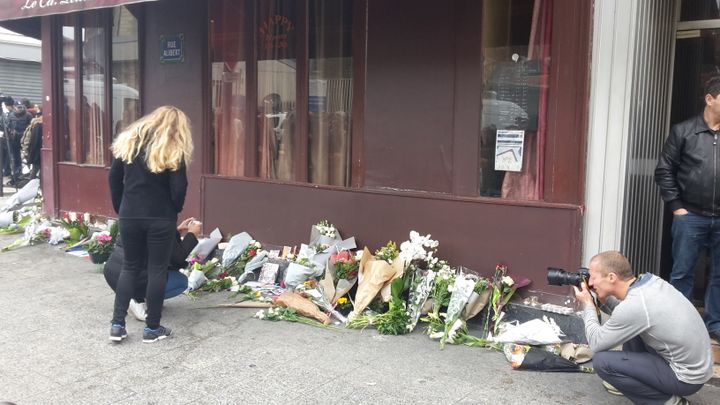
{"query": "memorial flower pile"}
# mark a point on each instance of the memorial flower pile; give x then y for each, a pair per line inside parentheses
(76, 225)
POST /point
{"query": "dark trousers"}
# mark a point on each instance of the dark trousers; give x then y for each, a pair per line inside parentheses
(691, 233)
(641, 374)
(146, 241)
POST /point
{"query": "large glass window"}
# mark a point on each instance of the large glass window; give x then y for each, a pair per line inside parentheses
(94, 68)
(88, 120)
(279, 148)
(516, 65)
(330, 91)
(69, 75)
(276, 88)
(125, 69)
(229, 71)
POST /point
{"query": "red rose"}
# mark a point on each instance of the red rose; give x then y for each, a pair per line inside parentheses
(223, 275)
(252, 253)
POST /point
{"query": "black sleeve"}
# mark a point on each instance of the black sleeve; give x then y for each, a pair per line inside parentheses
(116, 181)
(181, 250)
(666, 170)
(178, 187)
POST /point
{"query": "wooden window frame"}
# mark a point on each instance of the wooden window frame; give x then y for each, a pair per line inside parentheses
(76, 133)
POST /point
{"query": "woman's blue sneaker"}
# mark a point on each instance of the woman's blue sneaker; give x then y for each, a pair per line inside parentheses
(117, 333)
(153, 335)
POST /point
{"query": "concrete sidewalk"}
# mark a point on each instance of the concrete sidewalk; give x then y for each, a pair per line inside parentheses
(54, 323)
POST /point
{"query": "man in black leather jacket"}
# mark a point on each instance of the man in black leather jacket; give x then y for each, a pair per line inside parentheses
(687, 174)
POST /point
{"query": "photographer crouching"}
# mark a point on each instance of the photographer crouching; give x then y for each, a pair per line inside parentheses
(666, 352)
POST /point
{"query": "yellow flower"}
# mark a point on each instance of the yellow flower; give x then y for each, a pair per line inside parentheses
(342, 300)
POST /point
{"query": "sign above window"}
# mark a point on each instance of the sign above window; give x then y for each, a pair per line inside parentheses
(15, 9)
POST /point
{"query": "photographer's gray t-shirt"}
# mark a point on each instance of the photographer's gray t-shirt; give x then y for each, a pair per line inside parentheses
(665, 320)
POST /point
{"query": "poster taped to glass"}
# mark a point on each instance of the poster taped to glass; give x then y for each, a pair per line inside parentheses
(509, 150)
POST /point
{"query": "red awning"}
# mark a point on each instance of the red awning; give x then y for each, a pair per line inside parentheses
(15, 9)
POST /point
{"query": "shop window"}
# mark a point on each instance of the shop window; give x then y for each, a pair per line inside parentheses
(699, 10)
(125, 69)
(516, 66)
(259, 96)
(276, 88)
(94, 66)
(70, 116)
(88, 119)
(330, 92)
(229, 73)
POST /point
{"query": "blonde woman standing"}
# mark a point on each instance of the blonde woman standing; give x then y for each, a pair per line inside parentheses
(148, 185)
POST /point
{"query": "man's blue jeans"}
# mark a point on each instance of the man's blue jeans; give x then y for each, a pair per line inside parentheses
(691, 233)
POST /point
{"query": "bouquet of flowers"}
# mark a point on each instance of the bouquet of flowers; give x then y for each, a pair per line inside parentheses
(462, 288)
(323, 235)
(393, 322)
(418, 253)
(388, 253)
(374, 273)
(503, 288)
(76, 226)
(238, 266)
(300, 270)
(440, 294)
(38, 232)
(478, 298)
(100, 246)
(346, 265)
(211, 268)
(287, 314)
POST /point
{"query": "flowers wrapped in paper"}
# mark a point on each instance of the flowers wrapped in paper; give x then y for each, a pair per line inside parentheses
(300, 271)
(478, 299)
(315, 293)
(373, 275)
(301, 305)
(235, 247)
(323, 235)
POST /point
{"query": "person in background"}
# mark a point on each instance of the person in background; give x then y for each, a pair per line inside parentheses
(17, 122)
(7, 107)
(148, 183)
(687, 174)
(31, 145)
(185, 241)
(666, 351)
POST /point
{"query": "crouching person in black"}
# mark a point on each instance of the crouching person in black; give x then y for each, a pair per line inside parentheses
(176, 282)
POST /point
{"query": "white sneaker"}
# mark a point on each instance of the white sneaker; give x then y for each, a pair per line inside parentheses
(138, 310)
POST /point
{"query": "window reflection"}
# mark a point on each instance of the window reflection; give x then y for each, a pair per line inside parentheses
(276, 84)
(68, 63)
(516, 49)
(330, 91)
(125, 69)
(93, 88)
(228, 69)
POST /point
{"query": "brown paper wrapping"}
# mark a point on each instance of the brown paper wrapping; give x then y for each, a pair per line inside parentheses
(399, 267)
(376, 273)
(302, 305)
(476, 303)
(328, 283)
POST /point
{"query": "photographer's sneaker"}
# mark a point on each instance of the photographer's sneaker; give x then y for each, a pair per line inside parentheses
(610, 389)
(153, 335)
(138, 310)
(677, 400)
(118, 333)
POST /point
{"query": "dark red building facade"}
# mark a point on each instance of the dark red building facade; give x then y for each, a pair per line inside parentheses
(464, 119)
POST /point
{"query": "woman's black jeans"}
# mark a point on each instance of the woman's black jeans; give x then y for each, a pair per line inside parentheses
(146, 241)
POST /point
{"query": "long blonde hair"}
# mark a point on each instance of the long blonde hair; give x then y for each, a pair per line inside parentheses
(164, 135)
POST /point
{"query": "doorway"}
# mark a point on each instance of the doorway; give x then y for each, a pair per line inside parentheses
(697, 59)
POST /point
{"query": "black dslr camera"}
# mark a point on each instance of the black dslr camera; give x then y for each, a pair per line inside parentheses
(556, 276)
